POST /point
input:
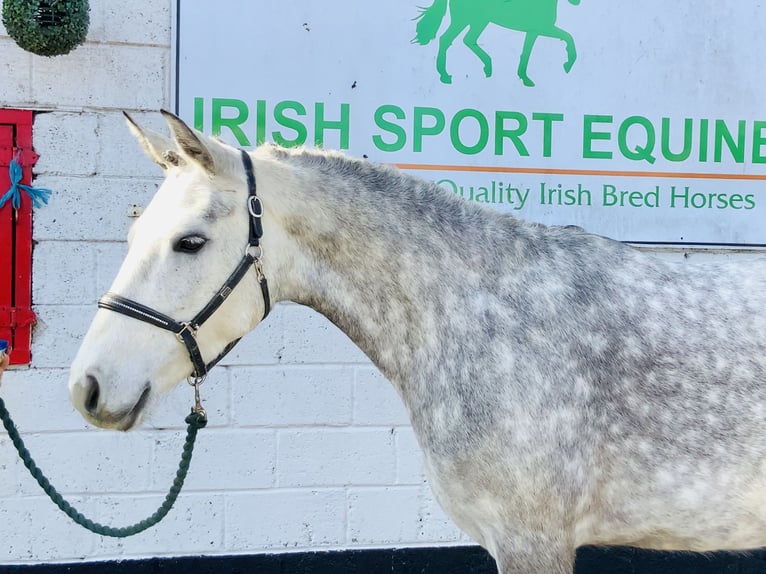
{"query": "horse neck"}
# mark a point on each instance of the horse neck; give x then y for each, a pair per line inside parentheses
(364, 245)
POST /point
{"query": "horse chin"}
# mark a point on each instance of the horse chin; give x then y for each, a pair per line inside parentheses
(135, 414)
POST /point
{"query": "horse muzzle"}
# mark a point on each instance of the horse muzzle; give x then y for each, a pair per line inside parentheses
(87, 397)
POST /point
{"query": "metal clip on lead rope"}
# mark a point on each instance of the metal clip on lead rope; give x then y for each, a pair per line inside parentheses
(198, 409)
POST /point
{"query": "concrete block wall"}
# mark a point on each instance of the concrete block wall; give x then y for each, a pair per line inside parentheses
(308, 446)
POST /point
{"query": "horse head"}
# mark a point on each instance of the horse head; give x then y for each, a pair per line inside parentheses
(180, 251)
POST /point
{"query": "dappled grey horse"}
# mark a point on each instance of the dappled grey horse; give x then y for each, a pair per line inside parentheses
(565, 388)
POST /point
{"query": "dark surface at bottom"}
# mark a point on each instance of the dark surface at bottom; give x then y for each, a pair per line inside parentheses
(461, 560)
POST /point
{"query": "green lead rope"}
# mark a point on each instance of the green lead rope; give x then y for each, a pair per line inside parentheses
(195, 421)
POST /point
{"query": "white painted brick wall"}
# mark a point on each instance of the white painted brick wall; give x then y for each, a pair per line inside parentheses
(279, 397)
(286, 519)
(339, 457)
(308, 446)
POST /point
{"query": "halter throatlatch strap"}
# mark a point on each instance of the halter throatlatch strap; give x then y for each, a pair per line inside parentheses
(186, 332)
(255, 207)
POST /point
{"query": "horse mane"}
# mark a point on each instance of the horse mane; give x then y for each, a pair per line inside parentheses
(361, 200)
(386, 187)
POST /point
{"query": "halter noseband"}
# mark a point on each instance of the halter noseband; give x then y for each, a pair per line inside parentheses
(186, 332)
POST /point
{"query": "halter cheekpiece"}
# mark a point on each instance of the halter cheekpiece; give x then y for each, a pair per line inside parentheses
(186, 332)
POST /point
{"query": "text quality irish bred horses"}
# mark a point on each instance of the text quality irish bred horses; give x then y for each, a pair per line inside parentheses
(566, 389)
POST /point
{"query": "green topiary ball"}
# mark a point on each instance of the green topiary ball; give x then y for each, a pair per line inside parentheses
(47, 27)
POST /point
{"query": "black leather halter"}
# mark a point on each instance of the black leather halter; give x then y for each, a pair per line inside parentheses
(186, 332)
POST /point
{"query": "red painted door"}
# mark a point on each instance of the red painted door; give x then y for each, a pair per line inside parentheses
(16, 316)
(6, 232)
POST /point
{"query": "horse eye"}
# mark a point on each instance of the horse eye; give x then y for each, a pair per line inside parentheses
(190, 244)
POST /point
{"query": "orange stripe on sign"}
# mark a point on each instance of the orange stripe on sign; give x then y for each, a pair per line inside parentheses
(596, 172)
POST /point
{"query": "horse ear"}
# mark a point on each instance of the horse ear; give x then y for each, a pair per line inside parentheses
(157, 147)
(189, 143)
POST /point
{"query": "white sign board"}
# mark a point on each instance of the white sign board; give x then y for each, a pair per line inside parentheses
(643, 121)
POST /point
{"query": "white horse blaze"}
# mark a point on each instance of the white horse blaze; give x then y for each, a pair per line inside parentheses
(566, 388)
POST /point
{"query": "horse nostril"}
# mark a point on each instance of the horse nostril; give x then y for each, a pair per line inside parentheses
(91, 394)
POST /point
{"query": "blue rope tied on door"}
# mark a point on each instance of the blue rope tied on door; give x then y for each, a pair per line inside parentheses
(38, 195)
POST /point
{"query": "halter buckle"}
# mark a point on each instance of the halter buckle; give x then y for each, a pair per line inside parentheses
(255, 206)
(192, 330)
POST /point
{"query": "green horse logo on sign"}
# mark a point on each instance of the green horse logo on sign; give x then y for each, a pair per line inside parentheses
(535, 17)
